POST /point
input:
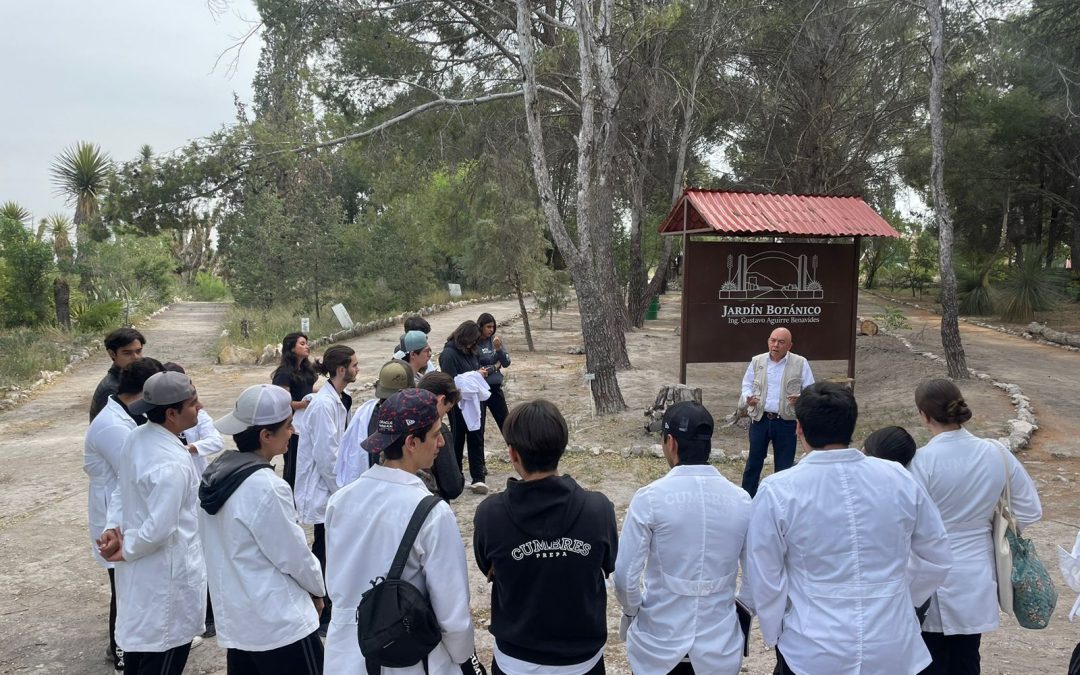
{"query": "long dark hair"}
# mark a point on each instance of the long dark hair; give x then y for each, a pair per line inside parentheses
(288, 357)
(484, 320)
(465, 336)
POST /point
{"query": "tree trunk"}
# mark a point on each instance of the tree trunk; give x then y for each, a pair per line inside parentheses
(62, 300)
(601, 348)
(524, 312)
(955, 360)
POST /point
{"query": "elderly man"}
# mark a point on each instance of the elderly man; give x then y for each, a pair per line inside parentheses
(770, 387)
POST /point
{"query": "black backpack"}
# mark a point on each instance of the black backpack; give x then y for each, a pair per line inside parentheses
(395, 624)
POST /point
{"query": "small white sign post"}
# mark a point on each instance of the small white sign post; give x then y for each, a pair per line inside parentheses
(342, 315)
(455, 290)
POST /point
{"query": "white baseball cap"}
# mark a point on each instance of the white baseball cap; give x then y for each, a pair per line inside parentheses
(258, 405)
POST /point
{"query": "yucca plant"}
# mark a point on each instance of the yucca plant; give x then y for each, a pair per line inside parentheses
(81, 173)
(1030, 287)
(973, 284)
(14, 211)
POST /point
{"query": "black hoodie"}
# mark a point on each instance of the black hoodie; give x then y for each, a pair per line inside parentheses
(549, 544)
(225, 475)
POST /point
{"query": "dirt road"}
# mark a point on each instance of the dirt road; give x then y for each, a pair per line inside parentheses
(54, 602)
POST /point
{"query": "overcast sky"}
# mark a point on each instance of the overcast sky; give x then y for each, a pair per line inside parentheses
(119, 73)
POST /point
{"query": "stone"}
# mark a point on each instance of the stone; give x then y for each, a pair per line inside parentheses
(234, 355)
(579, 350)
(656, 450)
(269, 356)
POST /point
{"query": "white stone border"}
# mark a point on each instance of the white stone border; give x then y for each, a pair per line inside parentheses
(975, 322)
(1021, 428)
(18, 395)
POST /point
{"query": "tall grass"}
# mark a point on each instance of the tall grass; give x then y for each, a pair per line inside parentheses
(1030, 287)
(28, 351)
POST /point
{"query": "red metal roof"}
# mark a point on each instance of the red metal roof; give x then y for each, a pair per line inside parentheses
(762, 214)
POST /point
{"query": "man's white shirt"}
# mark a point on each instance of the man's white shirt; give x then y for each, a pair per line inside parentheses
(774, 376)
(102, 452)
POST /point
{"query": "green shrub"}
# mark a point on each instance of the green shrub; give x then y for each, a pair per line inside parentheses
(99, 315)
(1030, 287)
(208, 288)
(35, 350)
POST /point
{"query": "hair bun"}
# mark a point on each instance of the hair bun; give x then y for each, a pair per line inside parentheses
(958, 411)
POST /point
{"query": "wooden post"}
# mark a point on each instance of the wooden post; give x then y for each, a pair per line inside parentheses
(856, 246)
(683, 342)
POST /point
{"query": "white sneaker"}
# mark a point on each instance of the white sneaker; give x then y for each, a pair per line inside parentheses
(196, 641)
(479, 488)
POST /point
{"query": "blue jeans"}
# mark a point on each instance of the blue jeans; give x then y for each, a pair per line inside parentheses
(782, 435)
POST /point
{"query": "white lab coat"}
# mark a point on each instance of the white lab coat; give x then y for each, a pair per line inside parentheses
(161, 584)
(101, 461)
(474, 389)
(352, 459)
(316, 454)
(840, 549)
(364, 525)
(965, 475)
(206, 438)
(260, 570)
(686, 531)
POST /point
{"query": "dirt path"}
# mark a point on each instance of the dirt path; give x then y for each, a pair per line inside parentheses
(53, 607)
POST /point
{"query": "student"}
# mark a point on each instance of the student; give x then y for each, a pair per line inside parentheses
(411, 323)
(123, 346)
(446, 479)
(101, 461)
(685, 532)
(546, 544)
(839, 547)
(965, 476)
(266, 584)
(352, 459)
(493, 357)
(416, 352)
(296, 375)
(365, 522)
(892, 443)
(458, 357)
(203, 439)
(153, 536)
(324, 425)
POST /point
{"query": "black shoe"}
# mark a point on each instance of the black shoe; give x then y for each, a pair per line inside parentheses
(210, 631)
(118, 665)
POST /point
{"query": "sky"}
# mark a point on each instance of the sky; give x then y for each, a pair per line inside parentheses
(119, 73)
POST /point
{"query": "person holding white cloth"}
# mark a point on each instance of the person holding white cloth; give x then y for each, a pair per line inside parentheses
(686, 532)
(841, 548)
(266, 584)
(965, 476)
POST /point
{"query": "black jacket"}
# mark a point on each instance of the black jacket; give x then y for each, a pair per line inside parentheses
(487, 355)
(109, 385)
(454, 362)
(549, 544)
(224, 475)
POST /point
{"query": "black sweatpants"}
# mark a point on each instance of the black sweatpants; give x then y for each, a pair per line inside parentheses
(303, 657)
(318, 547)
(497, 405)
(171, 662)
(952, 654)
(112, 611)
(475, 441)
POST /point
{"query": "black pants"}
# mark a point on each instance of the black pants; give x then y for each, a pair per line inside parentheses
(288, 472)
(171, 662)
(318, 547)
(475, 440)
(303, 657)
(598, 669)
(782, 435)
(781, 665)
(112, 611)
(952, 654)
(497, 405)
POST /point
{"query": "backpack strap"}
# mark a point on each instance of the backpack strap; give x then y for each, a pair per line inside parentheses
(373, 669)
(407, 540)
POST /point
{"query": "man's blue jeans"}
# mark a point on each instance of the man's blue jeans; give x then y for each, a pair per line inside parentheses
(782, 435)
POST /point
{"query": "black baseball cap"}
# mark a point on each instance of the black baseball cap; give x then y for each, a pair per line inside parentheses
(688, 420)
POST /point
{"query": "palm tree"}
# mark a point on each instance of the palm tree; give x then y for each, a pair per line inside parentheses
(59, 227)
(81, 173)
(14, 211)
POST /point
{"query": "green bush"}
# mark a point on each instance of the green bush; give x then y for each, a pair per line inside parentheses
(1030, 287)
(25, 265)
(35, 350)
(208, 288)
(98, 315)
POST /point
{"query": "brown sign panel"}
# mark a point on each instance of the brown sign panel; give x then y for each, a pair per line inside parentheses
(736, 293)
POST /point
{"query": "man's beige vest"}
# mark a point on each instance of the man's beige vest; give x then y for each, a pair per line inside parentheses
(792, 371)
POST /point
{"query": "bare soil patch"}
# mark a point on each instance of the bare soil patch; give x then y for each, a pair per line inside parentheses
(53, 607)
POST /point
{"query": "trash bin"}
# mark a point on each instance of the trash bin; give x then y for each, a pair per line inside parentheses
(653, 310)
